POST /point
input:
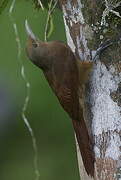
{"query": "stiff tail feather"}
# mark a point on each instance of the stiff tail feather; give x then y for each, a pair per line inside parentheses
(84, 146)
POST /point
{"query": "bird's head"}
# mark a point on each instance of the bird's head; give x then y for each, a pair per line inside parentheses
(48, 55)
(37, 51)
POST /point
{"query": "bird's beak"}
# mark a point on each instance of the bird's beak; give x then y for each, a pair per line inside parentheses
(29, 31)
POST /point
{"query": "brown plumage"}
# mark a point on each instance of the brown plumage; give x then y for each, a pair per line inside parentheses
(66, 76)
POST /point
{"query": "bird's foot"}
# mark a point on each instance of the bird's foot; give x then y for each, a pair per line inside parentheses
(102, 47)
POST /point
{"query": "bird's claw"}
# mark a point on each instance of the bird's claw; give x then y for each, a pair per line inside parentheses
(102, 47)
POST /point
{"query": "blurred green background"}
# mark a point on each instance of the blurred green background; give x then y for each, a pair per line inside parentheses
(51, 125)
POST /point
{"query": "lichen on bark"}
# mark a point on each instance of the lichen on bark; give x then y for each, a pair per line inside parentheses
(93, 12)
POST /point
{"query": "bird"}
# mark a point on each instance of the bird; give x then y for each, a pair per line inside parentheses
(66, 76)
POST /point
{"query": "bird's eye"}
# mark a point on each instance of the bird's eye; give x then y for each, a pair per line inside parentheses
(35, 45)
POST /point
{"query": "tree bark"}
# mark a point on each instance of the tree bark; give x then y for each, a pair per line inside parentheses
(88, 23)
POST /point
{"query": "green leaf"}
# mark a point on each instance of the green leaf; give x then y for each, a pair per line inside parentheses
(3, 5)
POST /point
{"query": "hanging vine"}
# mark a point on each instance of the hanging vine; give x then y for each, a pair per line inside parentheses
(27, 84)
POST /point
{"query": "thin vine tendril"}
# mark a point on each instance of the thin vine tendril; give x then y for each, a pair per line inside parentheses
(27, 98)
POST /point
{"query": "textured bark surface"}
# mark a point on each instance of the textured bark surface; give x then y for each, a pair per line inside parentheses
(88, 23)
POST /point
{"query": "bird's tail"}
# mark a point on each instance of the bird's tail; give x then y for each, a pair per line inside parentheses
(85, 146)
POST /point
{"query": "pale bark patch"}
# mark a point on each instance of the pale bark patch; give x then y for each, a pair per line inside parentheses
(106, 169)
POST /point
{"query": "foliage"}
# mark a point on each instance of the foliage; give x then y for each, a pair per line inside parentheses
(44, 3)
(3, 5)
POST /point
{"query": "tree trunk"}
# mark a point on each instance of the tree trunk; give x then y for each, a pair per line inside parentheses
(88, 23)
